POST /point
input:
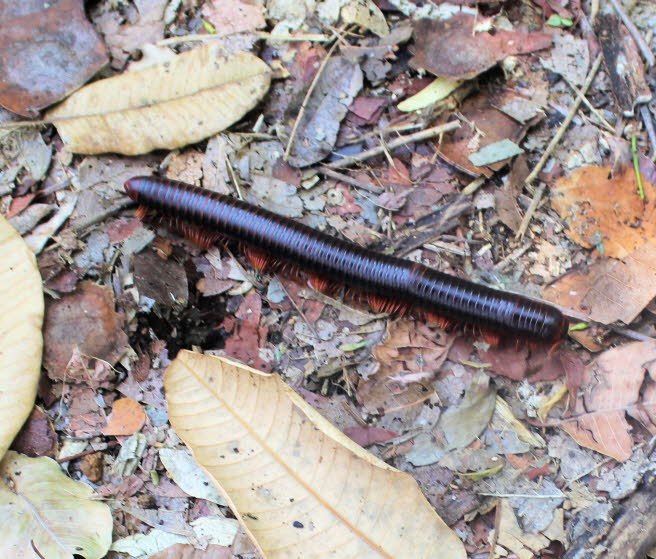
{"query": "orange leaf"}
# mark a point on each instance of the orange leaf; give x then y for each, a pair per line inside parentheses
(127, 418)
(600, 207)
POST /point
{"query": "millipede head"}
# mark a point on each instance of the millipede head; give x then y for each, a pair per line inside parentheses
(133, 187)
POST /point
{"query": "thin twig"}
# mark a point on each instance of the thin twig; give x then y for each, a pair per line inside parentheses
(299, 311)
(590, 106)
(316, 37)
(535, 202)
(552, 145)
(563, 127)
(348, 180)
(384, 131)
(416, 137)
(306, 100)
(637, 36)
(23, 124)
(630, 334)
(234, 178)
(512, 257)
(521, 496)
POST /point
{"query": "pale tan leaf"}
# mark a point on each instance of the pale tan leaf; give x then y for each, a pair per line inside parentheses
(366, 14)
(300, 487)
(462, 424)
(42, 507)
(432, 93)
(21, 343)
(182, 101)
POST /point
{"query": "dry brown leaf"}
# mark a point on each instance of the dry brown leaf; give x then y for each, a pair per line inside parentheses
(453, 49)
(609, 290)
(603, 208)
(83, 322)
(21, 343)
(409, 357)
(299, 486)
(610, 388)
(47, 50)
(487, 125)
(127, 417)
(169, 105)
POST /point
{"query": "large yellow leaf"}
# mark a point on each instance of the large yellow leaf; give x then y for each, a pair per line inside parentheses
(301, 488)
(42, 508)
(181, 101)
(21, 343)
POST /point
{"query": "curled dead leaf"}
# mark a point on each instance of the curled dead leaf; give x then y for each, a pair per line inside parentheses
(166, 106)
(21, 343)
(299, 486)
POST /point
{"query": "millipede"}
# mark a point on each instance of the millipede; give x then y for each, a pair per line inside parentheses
(387, 283)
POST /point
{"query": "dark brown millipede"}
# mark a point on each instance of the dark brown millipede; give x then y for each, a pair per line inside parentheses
(389, 283)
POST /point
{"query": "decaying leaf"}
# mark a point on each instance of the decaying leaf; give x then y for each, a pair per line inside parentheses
(42, 508)
(462, 424)
(610, 289)
(604, 210)
(299, 486)
(47, 49)
(21, 343)
(169, 105)
(609, 389)
(487, 125)
(188, 475)
(410, 357)
(86, 320)
(452, 48)
(525, 545)
(316, 135)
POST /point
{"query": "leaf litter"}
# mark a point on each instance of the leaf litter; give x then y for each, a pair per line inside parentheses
(394, 393)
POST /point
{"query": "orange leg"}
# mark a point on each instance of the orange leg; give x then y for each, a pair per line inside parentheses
(143, 213)
(260, 260)
(381, 304)
(442, 322)
(491, 337)
(202, 237)
(323, 284)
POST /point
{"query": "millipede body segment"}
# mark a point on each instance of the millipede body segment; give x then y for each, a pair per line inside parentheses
(390, 283)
